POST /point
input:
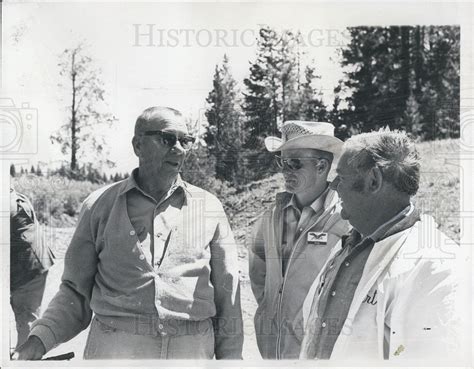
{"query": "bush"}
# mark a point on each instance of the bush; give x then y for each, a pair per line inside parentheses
(54, 196)
(72, 204)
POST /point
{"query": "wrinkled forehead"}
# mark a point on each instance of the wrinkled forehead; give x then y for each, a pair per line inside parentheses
(163, 122)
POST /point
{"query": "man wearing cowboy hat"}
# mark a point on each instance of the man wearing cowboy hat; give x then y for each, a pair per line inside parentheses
(293, 239)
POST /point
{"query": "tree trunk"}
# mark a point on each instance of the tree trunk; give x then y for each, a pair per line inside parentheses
(73, 116)
(405, 77)
(418, 54)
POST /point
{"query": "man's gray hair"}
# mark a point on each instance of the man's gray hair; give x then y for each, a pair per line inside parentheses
(393, 152)
(155, 113)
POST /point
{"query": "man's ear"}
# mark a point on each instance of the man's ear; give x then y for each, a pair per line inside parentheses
(136, 143)
(375, 179)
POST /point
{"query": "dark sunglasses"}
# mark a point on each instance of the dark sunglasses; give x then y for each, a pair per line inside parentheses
(291, 163)
(169, 139)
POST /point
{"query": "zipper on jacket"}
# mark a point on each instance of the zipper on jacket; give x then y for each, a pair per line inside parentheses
(280, 295)
(282, 287)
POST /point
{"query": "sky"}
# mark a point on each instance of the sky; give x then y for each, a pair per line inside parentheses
(173, 68)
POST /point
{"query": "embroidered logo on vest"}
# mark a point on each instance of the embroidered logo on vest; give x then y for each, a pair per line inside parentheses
(317, 238)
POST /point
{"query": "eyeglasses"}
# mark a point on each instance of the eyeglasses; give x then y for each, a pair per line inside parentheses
(291, 163)
(169, 139)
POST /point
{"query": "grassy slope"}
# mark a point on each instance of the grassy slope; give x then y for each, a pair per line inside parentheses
(440, 191)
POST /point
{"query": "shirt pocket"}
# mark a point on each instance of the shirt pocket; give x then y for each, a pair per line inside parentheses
(188, 245)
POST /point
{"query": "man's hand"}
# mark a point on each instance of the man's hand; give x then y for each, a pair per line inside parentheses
(32, 349)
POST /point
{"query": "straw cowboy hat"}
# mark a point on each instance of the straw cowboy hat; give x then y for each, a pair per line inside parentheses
(298, 134)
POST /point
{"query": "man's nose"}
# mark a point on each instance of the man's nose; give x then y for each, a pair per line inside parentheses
(178, 147)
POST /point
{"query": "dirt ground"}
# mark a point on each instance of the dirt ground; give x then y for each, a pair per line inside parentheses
(60, 239)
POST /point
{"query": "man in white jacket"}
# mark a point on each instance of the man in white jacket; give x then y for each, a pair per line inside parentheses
(392, 290)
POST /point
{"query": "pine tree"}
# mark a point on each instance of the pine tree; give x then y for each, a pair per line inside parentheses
(412, 118)
(365, 58)
(12, 170)
(396, 71)
(225, 133)
(289, 75)
(62, 171)
(311, 106)
(440, 96)
(261, 100)
(272, 94)
(32, 170)
(93, 174)
(39, 172)
(338, 115)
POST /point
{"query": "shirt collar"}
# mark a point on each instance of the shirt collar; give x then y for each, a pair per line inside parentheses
(316, 205)
(381, 230)
(404, 219)
(131, 183)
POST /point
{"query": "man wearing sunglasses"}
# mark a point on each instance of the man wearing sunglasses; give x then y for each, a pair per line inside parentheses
(153, 259)
(292, 240)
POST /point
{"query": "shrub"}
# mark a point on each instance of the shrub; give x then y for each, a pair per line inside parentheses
(53, 196)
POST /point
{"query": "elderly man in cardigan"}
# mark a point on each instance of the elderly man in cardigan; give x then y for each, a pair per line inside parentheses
(293, 239)
(392, 291)
(153, 259)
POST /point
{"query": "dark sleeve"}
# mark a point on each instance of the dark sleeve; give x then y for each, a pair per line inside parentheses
(29, 253)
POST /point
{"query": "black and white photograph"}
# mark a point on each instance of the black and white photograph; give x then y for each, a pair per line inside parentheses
(259, 183)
